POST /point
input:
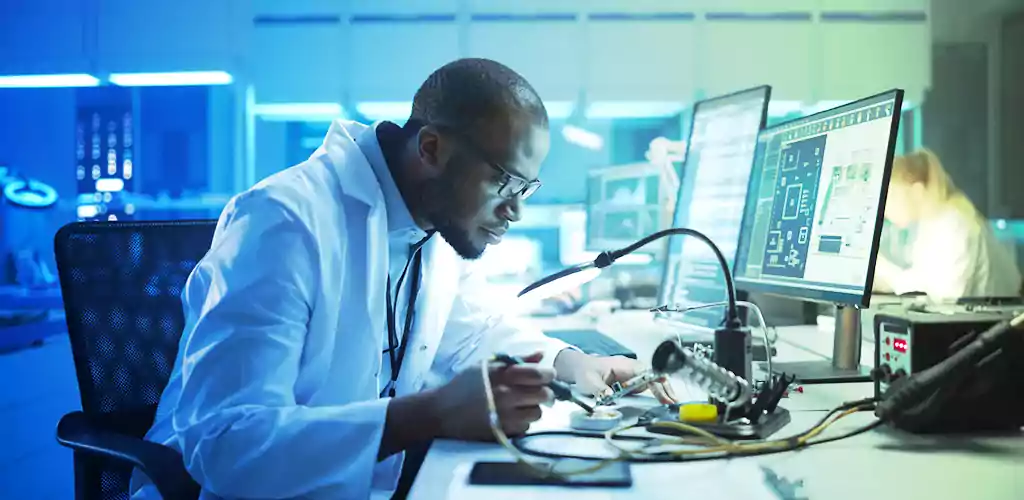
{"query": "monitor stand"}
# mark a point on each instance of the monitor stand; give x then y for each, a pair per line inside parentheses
(845, 363)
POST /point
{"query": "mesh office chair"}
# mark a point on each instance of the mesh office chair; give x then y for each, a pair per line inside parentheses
(121, 284)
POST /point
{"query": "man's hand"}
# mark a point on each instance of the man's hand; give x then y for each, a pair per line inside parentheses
(460, 406)
(594, 375)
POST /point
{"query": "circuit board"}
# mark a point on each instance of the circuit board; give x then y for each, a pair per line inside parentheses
(792, 216)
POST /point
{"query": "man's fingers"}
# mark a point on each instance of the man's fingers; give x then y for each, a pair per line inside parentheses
(511, 397)
(515, 428)
(526, 415)
(517, 421)
(663, 391)
(529, 375)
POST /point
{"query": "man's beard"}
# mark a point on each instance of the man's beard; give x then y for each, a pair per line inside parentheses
(439, 195)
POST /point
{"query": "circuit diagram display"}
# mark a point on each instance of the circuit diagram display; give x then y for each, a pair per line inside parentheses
(848, 210)
(793, 212)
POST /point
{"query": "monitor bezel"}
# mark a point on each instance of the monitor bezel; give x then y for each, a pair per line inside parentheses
(663, 293)
(863, 299)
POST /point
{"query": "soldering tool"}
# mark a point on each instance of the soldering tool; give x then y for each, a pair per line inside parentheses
(561, 389)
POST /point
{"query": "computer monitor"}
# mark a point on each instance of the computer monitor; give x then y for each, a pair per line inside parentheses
(720, 150)
(813, 215)
(624, 204)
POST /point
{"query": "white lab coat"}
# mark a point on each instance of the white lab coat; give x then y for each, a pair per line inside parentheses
(954, 256)
(274, 393)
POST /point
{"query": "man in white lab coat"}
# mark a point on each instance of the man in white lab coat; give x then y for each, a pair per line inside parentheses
(329, 328)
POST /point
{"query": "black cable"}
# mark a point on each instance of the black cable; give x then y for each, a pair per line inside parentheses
(605, 259)
(866, 404)
(855, 432)
(732, 314)
(554, 277)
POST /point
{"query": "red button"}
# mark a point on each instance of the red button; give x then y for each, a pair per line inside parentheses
(887, 341)
(887, 356)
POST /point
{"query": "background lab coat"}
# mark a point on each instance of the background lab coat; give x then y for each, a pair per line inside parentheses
(953, 256)
(275, 390)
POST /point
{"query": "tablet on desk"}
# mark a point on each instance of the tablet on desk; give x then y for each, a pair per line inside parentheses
(614, 474)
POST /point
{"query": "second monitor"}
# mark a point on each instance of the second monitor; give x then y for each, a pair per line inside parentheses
(813, 216)
(712, 191)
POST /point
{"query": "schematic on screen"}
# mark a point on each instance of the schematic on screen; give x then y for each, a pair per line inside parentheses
(812, 213)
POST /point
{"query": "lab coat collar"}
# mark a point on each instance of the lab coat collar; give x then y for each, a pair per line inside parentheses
(400, 221)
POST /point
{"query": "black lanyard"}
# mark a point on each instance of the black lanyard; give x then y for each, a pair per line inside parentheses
(397, 347)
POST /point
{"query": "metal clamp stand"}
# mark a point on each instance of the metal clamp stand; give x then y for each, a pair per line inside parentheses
(845, 363)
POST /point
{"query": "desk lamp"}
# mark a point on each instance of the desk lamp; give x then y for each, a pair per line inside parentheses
(732, 341)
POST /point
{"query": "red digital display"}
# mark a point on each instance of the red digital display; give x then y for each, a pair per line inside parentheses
(899, 345)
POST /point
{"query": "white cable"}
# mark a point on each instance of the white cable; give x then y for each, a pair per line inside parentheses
(741, 303)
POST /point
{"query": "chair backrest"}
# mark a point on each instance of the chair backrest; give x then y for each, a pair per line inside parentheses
(121, 284)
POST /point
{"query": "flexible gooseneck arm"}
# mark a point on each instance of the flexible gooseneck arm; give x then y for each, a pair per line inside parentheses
(605, 259)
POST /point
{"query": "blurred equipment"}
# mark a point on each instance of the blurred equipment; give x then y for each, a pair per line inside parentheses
(624, 203)
(813, 218)
(105, 160)
(30, 194)
(723, 135)
(25, 206)
(30, 303)
(960, 372)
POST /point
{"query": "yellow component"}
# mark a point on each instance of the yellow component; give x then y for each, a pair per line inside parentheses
(698, 413)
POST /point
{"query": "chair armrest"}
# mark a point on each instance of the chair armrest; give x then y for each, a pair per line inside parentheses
(163, 465)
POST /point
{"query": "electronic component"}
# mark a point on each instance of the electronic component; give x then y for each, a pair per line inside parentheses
(635, 384)
(719, 383)
(988, 397)
(698, 413)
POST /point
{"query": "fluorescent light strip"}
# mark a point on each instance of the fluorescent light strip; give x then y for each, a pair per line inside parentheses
(181, 78)
(582, 137)
(299, 111)
(633, 109)
(48, 81)
(400, 110)
(559, 110)
(384, 110)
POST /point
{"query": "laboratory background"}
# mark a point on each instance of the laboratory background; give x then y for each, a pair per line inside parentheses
(118, 110)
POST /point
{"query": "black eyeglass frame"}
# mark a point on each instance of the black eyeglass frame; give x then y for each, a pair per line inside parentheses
(512, 185)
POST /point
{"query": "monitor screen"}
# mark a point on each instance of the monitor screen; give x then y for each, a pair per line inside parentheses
(814, 208)
(723, 135)
(623, 205)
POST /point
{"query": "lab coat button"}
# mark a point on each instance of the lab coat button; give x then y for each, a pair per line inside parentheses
(423, 348)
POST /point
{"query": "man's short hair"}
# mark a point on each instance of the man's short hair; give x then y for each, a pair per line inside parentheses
(468, 92)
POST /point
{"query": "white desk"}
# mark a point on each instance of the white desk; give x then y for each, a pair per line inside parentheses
(877, 465)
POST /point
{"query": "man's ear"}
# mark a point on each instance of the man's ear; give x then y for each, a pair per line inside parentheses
(432, 150)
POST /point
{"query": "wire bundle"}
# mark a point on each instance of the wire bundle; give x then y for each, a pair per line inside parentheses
(702, 445)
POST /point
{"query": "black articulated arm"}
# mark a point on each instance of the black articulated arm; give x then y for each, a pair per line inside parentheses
(163, 465)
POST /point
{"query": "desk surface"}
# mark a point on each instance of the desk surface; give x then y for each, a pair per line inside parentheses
(880, 464)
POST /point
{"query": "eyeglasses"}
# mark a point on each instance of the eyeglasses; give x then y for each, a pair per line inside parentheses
(512, 185)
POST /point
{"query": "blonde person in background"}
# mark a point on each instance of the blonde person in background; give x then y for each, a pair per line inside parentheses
(955, 253)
